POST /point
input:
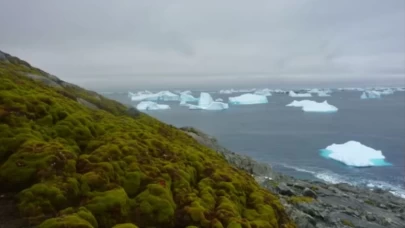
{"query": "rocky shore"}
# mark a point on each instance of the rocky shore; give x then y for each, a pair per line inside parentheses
(316, 204)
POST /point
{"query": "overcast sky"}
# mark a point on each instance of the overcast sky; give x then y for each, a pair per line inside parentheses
(132, 44)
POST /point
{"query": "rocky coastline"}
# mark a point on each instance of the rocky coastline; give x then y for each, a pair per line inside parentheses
(316, 204)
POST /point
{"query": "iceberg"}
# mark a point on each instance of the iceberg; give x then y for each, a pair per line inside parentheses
(323, 94)
(148, 96)
(300, 104)
(227, 91)
(150, 105)
(219, 100)
(186, 92)
(370, 94)
(263, 92)
(278, 91)
(247, 99)
(313, 106)
(293, 94)
(314, 91)
(355, 154)
(185, 97)
(207, 103)
(387, 92)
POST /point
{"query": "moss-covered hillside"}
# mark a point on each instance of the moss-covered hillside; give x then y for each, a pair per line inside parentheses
(76, 159)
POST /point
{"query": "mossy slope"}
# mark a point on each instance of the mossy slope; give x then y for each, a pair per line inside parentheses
(73, 166)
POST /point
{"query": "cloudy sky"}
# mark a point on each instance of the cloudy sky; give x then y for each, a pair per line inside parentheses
(104, 44)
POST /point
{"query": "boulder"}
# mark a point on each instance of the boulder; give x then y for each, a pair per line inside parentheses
(283, 189)
(309, 193)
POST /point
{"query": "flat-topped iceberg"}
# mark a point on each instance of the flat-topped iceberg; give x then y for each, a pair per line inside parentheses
(207, 103)
(323, 94)
(370, 94)
(387, 92)
(148, 96)
(300, 104)
(313, 106)
(227, 91)
(150, 105)
(247, 99)
(353, 153)
(293, 94)
(314, 91)
(230, 91)
(263, 92)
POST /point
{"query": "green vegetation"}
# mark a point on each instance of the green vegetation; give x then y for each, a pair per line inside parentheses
(300, 199)
(72, 166)
(370, 202)
(347, 223)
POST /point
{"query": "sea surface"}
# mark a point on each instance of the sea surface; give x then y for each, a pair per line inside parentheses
(290, 140)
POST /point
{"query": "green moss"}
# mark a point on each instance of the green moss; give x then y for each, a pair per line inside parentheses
(42, 199)
(113, 165)
(155, 206)
(125, 225)
(347, 223)
(109, 207)
(370, 202)
(300, 199)
(69, 221)
(132, 183)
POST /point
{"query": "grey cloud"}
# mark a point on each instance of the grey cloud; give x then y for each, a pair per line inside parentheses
(188, 42)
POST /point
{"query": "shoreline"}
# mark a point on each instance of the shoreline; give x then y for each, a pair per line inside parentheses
(317, 204)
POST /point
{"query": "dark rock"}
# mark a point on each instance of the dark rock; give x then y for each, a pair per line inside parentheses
(283, 189)
(309, 193)
(346, 188)
(43, 79)
(299, 185)
(3, 56)
(370, 217)
(382, 206)
(379, 190)
(87, 104)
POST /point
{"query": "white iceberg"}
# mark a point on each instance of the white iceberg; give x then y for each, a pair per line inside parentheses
(150, 105)
(185, 97)
(227, 91)
(387, 92)
(370, 94)
(186, 92)
(323, 94)
(314, 91)
(205, 99)
(353, 153)
(263, 92)
(300, 104)
(293, 94)
(160, 96)
(219, 99)
(207, 103)
(313, 106)
(247, 99)
(278, 91)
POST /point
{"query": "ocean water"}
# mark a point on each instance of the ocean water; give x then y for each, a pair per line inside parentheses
(291, 140)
